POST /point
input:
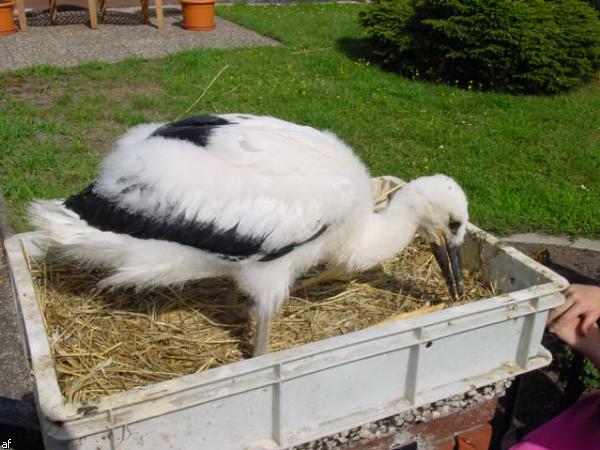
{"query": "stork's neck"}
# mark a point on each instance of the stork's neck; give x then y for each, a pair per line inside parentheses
(386, 233)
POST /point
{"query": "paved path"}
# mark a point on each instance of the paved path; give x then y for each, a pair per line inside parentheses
(16, 400)
(71, 42)
(562, 241)
(578, 260)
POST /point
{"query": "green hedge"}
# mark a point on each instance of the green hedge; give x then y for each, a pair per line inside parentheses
(521, 46)
(595, 4)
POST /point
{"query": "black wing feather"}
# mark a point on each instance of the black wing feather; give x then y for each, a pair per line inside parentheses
(107, 215)
(196, 130)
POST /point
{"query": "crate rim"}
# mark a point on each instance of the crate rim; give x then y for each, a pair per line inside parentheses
(94, 417)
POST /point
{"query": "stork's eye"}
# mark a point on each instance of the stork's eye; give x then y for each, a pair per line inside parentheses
(454, 225)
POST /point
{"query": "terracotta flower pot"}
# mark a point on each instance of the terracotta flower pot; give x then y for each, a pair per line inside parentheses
(198, 15)
(7, 22)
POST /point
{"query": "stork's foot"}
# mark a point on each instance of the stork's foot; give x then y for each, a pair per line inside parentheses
(321, 278)
(238, 308)
(231, 297)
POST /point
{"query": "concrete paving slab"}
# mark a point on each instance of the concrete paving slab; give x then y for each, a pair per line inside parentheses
(578, 260)
(6, 61)
(16, 398)
(588, 244)
(83, 53)
(146, 48)
(545, 239)
(11, 386)
(122, 36)
(25, 47)
(17, 408)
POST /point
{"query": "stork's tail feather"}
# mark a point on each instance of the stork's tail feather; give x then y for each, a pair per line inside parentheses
(61, 228)
(141, 278)
(136, 262)
(54, 219)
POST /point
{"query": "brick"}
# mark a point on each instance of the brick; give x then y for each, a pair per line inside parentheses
(469, 428)
(452, 424)
(446, 444)
(382, 443)
(477, 438)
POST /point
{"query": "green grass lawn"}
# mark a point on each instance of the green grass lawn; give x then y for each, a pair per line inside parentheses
(527, 163)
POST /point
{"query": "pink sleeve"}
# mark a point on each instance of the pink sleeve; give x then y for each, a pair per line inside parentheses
(576, 428)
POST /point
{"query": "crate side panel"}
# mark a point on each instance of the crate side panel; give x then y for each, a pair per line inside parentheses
(223, 424)
(99, 441)
(472, 252)
(320, 397)
(229, 423)
(513, 271)
(508, 268)
(466, 354)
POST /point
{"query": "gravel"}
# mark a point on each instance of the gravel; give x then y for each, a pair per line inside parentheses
(399, 423)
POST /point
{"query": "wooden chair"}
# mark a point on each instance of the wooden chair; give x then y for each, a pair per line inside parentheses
(145, 13)
(22, 17)
(93, 13)
(91, 8)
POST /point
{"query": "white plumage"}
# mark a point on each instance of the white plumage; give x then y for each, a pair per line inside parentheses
(256, 199)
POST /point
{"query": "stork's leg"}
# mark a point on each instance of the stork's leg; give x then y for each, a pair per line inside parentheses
(268, 287)
(232, 294)
(231, 300)
(261, 312)
(261, 341)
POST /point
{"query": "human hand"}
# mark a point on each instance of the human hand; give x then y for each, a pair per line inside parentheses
(581, 301)
(587, 344)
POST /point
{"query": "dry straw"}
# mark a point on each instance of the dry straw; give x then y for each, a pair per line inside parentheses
(107, 342)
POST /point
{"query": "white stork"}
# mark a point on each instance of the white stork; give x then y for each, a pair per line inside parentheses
(256, 199)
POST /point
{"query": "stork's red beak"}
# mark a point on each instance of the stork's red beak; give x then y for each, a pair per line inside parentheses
(449, 259)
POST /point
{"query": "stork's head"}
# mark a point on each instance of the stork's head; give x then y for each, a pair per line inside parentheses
(442, 221)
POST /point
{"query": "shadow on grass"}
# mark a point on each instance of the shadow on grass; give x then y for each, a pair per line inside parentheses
(365, 50)
(359, 49)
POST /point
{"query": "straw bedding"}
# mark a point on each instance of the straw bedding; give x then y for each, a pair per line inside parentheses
(108, 342)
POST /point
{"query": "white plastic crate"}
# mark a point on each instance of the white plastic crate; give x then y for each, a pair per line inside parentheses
(293, 396)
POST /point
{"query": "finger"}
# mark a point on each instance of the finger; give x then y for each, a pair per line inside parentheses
(554, 313)
(571, 295)
(569, 315)
(587, 323)
(575, 286)
(559, 310)
(567, 291)
(570, 289)
(566, 332)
